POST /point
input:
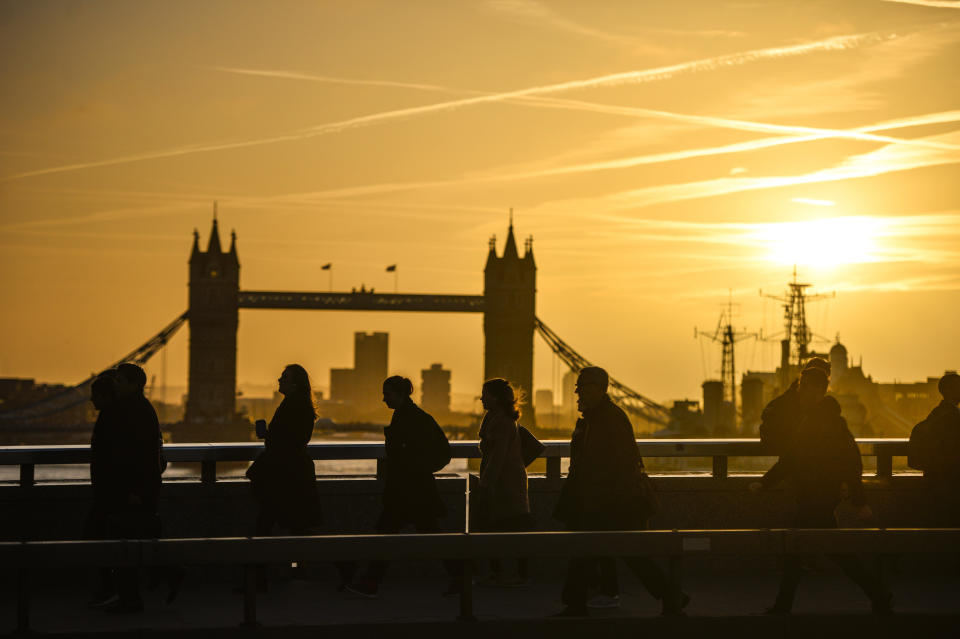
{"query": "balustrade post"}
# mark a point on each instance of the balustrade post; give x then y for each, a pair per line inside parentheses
(884, 465)
(26, 475)
(553, 470)
(208, 471)
(720, 466)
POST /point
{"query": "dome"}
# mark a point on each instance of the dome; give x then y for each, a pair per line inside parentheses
(838, 358)
(838, 350)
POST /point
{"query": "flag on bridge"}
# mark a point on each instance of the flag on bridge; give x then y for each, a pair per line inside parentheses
(326, 267)
(391, 268)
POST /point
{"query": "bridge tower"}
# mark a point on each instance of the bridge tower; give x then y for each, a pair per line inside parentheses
(213, 316)
(510, 292)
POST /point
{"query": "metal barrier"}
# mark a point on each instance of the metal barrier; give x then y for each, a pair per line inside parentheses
(208, 455)
(674, 545)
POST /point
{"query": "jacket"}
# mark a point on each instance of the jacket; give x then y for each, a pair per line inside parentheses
(410, 491)
(820, 457)
(604, 463)
(503, 476)
(283, 475)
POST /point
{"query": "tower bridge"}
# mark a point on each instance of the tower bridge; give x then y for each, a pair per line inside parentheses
(508, 306)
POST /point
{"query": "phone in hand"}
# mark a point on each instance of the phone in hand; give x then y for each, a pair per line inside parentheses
(261, 428)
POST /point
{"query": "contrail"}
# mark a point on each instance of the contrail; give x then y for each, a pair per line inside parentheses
(295, 75)
(616, 79)
(940, 4)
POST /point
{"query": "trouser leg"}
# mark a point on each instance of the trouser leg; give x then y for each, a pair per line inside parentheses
(386, 525)
(574, 594)
(855, 570)
(651, 576)
(789, 580)
(608, 581)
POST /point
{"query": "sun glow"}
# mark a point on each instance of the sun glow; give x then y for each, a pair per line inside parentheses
(824, 242)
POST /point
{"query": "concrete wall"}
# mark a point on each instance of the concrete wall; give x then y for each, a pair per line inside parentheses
(227, 508)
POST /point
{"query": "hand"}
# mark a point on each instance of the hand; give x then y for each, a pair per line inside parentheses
(261, 428)
(755, 486)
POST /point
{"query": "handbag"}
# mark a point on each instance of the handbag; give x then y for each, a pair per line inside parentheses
(530, 446)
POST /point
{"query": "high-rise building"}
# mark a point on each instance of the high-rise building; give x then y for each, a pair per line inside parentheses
(342, 385)
(568, 401)
(435, 390)
(369, 369)
(214, 290)
(543, 402)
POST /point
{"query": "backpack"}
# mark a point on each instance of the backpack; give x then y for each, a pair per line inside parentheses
(921, 450)
(438, 452)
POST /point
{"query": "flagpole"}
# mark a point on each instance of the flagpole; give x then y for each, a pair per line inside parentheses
(396, 279)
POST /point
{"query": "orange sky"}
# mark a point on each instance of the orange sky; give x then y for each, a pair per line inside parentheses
(660, 155)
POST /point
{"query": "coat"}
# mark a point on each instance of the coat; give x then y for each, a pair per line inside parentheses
(410, 491)
(503, 476)
(604, 464)
(135, 444)
(283, 475)
(780, 419)
(935, 447)
(821, 456)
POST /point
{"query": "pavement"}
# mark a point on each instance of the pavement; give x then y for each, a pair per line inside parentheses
(727, 600)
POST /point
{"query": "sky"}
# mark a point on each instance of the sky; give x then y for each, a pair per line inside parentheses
(666, 158)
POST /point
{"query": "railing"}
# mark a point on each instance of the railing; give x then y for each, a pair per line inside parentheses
(466, 547)
(208, 455)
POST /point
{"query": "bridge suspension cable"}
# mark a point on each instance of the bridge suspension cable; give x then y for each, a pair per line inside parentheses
(628, 399)
(71, 397)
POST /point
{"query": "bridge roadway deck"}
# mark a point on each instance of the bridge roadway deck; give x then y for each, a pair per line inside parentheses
(722, 605)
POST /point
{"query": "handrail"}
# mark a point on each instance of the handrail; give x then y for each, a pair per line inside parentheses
(208, 454)
(25, 557)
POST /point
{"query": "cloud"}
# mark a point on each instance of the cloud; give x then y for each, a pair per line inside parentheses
(812, 202)
(837, 43)
(939, 4)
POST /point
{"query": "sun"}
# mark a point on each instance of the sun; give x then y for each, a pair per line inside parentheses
(824, 242)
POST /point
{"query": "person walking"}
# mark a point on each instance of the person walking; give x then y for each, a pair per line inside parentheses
(283, 475)
(600, 493)
(502, 502)
(416, 447)
(823, 461)
(935, 449)
(783, 414)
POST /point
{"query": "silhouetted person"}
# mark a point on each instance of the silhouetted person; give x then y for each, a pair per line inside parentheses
(935, 449)
(823, 460)
(134, 480)
(107, 495)
(415, 448)
(782, 414)
(283, 475)
(502, 502)
(598, 495)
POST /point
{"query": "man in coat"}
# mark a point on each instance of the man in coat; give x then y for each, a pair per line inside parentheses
(410, 495)
(935, 449)
(783, 414)
(824, 463)
(598, 495)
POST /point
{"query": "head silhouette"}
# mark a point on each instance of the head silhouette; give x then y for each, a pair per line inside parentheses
(397, 391)
(498, 395)
(591, 388)
(813, 386)
(949, 387)
(820, 364)
(130, 380)
(103, 391)
(294, 385)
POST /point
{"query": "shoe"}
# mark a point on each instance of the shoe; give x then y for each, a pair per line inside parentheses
(569, 612)
(683, 600)
(124, 607)
(604, 602)
(776, 611)
(365, 588)
(103, 601)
